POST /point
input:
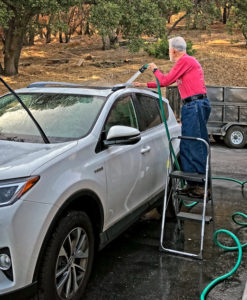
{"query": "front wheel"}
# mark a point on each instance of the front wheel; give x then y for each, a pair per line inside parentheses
(235, 137)
(68, 259)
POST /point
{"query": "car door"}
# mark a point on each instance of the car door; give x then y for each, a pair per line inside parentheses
(154, 139)
(123, 165)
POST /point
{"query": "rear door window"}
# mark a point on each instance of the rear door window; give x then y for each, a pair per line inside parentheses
(165, 107)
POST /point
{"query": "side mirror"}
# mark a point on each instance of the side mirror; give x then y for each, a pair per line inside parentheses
(122, 135)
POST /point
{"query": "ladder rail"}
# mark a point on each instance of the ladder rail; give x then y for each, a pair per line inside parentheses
(207, 183)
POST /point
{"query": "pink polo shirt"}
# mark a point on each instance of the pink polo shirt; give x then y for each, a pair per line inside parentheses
(188, 74)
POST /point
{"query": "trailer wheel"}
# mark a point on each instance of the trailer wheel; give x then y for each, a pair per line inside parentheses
(235, 137)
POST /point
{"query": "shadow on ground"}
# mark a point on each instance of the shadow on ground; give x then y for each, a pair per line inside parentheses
(132, 267)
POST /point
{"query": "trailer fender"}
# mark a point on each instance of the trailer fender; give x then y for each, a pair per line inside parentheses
(228, 125)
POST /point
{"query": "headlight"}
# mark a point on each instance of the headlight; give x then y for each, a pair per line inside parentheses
(10, 191)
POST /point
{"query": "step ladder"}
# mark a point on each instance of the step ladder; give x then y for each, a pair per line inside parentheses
(177, 179)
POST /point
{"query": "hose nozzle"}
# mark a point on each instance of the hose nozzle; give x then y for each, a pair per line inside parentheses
(143, 68)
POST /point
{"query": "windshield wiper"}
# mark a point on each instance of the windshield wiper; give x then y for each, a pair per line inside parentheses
(28, 111)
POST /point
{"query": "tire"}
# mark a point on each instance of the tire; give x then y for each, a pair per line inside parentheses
(217, 138)
(170, 211)
(68, 259)
(235, 137)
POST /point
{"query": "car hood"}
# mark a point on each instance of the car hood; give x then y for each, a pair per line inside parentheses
(21, 159)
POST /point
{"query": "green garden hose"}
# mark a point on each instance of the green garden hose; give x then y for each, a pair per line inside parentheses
(217, 280)
(238, 247)
(169, 139)
(242, 183)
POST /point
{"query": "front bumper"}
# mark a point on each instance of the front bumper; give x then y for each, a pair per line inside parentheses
(21, 294)
(23, 226)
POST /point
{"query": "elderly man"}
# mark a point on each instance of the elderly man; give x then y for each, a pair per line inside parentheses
(188, 74)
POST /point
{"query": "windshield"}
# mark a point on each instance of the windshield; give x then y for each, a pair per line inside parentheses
(62, 117)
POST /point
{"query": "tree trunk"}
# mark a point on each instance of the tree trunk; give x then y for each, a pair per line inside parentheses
(244, 34)
(31, 38)
(25, 40)
(87, 30)
(14, 35)
(41, 34)
(106, 42)
(1, 69)
(67, 37)
(48, 34)
(224, 17)
(60, 37)
(113, 39)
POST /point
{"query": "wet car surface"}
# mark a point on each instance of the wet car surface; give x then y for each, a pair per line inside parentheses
(132, 267)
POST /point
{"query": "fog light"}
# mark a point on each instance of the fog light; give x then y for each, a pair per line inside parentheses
(5, 262)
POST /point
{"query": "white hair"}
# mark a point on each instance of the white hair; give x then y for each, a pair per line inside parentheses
(178, 43)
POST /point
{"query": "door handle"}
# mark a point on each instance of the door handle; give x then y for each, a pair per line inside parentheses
(145, 149)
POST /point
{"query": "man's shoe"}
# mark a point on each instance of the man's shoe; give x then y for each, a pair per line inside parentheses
(185, 190)
(198, 192)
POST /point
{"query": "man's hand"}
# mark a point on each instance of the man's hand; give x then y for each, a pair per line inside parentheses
(152, 66)
(139, 84)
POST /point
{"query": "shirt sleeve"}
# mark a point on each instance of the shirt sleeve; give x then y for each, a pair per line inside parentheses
(176, 72)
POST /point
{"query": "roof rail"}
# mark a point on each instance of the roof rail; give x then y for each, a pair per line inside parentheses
(121, 86)
(53, 83)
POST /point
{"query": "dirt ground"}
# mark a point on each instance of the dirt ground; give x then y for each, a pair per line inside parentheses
(222, 56)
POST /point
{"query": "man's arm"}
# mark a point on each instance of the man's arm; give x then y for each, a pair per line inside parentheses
(176, 72)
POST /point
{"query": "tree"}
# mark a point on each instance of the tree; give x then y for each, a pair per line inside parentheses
(225, 6)
(238, 18)
(15, 17)
(106, 17)
(201, 13)
(132, 18)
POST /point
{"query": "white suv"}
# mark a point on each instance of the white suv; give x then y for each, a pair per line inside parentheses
(90, 165)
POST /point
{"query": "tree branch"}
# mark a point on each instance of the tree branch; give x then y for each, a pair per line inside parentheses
(176, 23)
(1, 69)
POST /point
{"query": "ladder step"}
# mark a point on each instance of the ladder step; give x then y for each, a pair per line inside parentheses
(193, 217)
(191, 199)
(188, 176)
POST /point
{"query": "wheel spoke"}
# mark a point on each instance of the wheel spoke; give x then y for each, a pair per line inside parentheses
(61, 283)
(81, 255)
(72, 261)
(79, 267)
(78, 236)
(82, 240)
(61, 271)
(70, 245)
(68, 285)
(75, 285)
(62, 253)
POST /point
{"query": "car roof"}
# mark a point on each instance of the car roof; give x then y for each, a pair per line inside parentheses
(52, 87)
(91, 91)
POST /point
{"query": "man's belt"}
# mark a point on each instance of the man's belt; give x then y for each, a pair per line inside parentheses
(195, 97)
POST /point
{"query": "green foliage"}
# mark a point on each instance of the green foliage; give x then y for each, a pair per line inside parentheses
(202, 14)
(5, 15)
(141, 17)
(238, 18)
(105, 16)
(160, 49)
(135, 45)
(190, 49)
(26, 9)
(134, 18)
